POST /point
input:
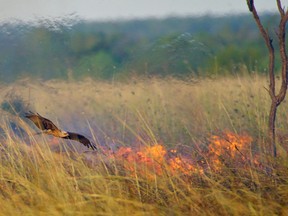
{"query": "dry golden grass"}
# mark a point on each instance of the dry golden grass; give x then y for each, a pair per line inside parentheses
(36, 179)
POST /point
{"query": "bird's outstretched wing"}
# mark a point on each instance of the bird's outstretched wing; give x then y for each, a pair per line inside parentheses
(45, 125)
(50, 128)
(82, 139)
(41, 122)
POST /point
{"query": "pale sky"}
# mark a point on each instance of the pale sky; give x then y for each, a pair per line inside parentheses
(28, 10)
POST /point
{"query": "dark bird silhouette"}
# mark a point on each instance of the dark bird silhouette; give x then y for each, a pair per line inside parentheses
(49, 127)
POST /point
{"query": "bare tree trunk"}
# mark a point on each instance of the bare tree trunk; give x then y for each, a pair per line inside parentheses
(271, 128)
(276, 99)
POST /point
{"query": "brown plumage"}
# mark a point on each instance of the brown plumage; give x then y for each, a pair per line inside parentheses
(49, 127)
(46, 125)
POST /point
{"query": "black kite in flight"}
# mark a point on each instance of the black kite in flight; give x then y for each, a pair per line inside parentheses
(49, 127)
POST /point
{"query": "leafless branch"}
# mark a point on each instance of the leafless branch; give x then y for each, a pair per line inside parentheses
(283, 54)
(281, 10)
(250, 4)
(281, 34)
(269, 44)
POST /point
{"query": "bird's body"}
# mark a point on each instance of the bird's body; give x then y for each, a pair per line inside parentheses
(49, 127)
(46, 125)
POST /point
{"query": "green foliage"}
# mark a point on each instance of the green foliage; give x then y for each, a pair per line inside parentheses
(99, 65)
(81, 42)
(172, 46)
(176, 55)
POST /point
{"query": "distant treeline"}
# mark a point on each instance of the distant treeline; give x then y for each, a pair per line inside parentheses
(173, 46)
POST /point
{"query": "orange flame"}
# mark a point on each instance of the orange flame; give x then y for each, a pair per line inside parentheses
(180, 165)
(229, 144)
(154, 160)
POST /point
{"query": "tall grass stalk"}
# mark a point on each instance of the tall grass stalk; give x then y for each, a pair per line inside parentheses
(43, 176)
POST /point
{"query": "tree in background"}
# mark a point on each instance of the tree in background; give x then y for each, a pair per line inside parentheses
(276, 97)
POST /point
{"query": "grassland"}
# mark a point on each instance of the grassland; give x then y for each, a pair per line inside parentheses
(166, 144)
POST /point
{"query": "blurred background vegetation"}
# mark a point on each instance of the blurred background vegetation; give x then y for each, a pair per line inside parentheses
(75, 49)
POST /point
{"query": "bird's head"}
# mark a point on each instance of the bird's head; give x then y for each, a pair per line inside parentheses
(64, 134)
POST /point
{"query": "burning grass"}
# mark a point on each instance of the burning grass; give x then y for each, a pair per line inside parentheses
(168, 147)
